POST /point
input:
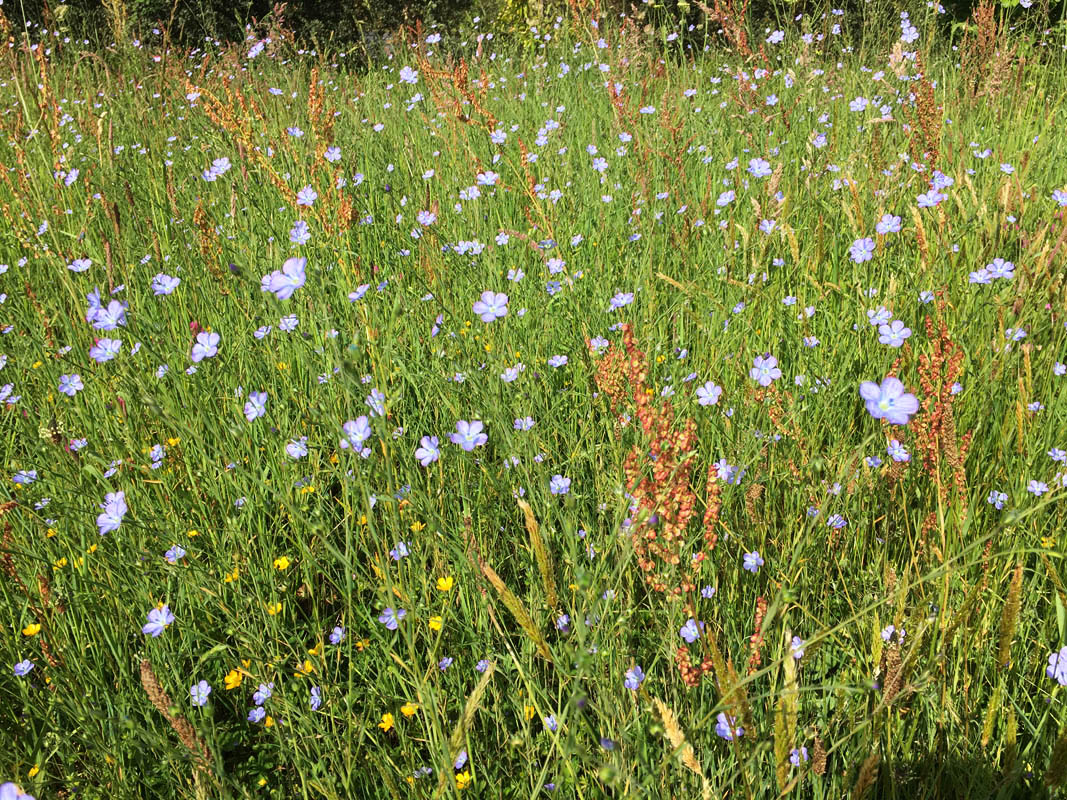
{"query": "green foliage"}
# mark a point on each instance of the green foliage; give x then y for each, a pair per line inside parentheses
(282, 545)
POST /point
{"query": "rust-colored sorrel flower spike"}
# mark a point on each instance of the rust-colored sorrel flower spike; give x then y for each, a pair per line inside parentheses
(756, 640)
(658, 476)
(924, 144)
(935, 426)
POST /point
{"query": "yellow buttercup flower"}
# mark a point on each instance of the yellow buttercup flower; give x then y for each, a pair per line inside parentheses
(268, 721)
(33, 771)
(173, 441)
(463, 779)
(232, 576)
(409, 708)
(281, 563)
(233, 679)
(274, 609)
(387, 722)
(445, 584)
(435, 623)
(32, 629)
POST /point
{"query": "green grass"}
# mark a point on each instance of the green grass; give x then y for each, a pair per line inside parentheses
(279, 551)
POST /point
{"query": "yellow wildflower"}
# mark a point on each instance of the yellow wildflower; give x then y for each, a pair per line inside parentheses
(463, 779)
(274, 609)
(281, 563)
(444, 584)
(435, 623)
(32, 629)
(33, 771)
(530, 711)
(233, 679)
(387, 722)
(409, 708)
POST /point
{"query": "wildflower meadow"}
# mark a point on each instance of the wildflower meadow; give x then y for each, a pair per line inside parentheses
(590, 409)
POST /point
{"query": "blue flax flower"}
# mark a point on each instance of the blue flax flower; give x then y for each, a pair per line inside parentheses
(690, 631)
(889, 401)
(206, 346)
(390, 618)
(428, 450)
(469, 435)
(158, 621)
(634, 678)
(283, 282)
(727, 727)
(198, 693)
(1057, 666)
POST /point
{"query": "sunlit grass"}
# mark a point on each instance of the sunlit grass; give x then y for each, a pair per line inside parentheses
(380, 613)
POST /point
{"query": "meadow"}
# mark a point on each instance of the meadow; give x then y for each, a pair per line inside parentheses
(595, 413)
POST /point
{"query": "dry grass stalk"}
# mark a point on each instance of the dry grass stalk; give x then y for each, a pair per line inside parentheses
(676, 737)
(544, 558)
(1009, 619)
(181, 726)
(783, 744)
(893, 673)
(991, 716)
(868, 774)
(518, 610)
(470, 708)
(1011, 746)
(818, 757)
(1057, 763)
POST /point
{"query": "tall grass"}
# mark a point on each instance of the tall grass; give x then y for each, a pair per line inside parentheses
(674, 578)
